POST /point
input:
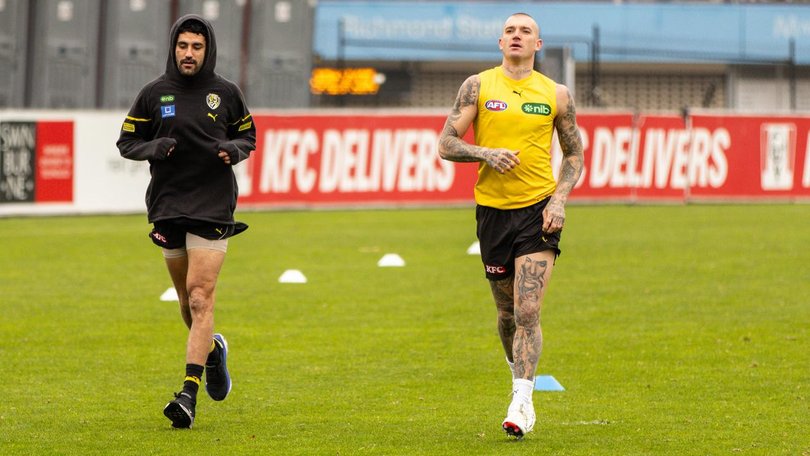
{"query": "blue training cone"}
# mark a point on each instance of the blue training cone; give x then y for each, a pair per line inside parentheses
(547, 383)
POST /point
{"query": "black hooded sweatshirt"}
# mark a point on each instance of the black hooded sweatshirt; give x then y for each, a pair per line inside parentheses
(199, 115)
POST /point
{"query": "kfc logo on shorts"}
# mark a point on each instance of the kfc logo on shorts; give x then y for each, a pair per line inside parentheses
(160, 238)
(495, 269)
(495, 105)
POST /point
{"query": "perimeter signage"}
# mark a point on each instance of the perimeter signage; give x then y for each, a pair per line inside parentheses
(389, 159)
(380, 159)
(36, 162)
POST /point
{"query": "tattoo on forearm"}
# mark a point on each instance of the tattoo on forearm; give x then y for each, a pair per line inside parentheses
(571, 145)
(449, 133)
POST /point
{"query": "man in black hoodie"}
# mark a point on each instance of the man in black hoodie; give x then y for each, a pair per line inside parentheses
(192, 126)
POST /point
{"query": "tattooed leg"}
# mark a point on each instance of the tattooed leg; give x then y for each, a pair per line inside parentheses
(504, 294)
(532, 273)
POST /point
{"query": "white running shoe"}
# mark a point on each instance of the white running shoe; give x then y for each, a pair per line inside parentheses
(520, 418)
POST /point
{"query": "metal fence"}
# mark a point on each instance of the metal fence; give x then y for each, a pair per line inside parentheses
(79, 54)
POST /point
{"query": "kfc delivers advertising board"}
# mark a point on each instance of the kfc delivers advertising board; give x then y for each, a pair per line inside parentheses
(349, 159)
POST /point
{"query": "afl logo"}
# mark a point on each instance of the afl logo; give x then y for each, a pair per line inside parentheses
(495, 105)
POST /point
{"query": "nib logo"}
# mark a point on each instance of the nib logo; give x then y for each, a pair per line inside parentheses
(541, 109)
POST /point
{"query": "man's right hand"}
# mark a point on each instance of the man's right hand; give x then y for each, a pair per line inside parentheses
(502, 160)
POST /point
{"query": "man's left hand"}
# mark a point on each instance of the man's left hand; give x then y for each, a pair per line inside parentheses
(225, 157)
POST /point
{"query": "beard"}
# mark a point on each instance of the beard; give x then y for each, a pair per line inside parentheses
(185, 71)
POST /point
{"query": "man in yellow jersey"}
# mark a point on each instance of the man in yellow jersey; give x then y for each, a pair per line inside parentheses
(520, 211)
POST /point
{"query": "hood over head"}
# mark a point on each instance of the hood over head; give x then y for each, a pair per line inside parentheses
(210, 61)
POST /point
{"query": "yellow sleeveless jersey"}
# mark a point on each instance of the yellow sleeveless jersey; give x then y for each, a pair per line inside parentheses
(516, 115)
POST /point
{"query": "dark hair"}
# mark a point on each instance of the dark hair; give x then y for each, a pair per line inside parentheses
(193, 26)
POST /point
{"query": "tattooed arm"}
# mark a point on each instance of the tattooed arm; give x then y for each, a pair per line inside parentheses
(571, 144)
(453, 148)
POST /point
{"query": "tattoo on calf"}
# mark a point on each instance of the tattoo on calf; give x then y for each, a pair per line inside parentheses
(503, 292)
(528, 339)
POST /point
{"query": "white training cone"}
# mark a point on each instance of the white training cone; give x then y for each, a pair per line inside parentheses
(474, 249)
(169, 295)
(391, 260)
(292, 276)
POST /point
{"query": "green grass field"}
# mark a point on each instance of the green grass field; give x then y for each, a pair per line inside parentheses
(675, 330)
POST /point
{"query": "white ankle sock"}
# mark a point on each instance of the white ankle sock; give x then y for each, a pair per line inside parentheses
(511, 367)
(522, 389)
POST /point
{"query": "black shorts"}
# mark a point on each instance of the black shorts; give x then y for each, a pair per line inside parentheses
(507, 234)
(171, 234)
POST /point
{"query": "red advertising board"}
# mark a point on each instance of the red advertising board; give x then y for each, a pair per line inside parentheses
(54, 162)
(649, 158)
(350, 159)
(699, 158)
(328, 159)
(767, 156)
(36, 161)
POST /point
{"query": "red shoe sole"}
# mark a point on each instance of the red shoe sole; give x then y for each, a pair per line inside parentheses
(512, 429)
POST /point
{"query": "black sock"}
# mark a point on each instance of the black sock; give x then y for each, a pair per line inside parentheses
(192, 383)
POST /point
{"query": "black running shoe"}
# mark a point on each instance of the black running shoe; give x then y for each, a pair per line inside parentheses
(217, 378)
(181, 410)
